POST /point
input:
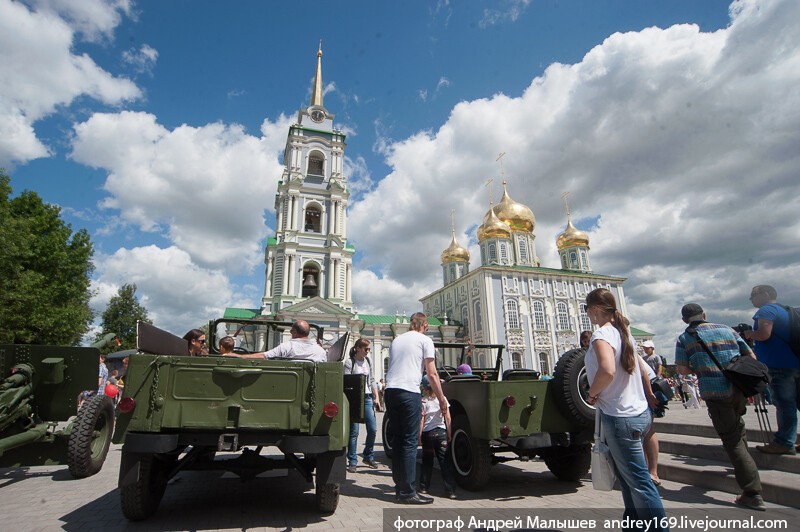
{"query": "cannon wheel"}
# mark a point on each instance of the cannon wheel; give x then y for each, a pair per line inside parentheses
(91, 436)
(140, 500)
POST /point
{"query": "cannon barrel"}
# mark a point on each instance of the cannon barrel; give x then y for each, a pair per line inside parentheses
(21, 374)
(105, 340)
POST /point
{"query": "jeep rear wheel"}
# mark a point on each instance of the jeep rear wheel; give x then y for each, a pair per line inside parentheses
(327, 498)
(386, 436)
(471, 456)
(568, 463)
(91, 436)
(571, 388)
(140, 500)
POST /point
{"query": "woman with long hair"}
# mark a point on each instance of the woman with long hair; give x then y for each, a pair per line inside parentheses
(196, 340)
(621, 397)
(359, 364)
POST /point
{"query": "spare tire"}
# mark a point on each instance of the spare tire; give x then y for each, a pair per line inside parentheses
(571, 388)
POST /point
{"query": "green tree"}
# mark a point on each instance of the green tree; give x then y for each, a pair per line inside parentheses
(120, 317)
(45, 272)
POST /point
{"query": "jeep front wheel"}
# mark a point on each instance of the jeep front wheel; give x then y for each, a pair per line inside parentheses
(568, 463)
(386, 436)
(471, 456)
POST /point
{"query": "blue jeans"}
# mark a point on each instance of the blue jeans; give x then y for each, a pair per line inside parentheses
(404, 409)
(624, 435)
(372, 429)
(434, 443)
(786, 398)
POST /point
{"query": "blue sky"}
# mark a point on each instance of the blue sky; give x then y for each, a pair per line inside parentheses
(158, 127)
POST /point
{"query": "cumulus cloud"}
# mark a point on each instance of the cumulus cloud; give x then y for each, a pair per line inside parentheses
(43, 38)
(682, 144)
(204, 188)
(178, 293)
(142, 60)
(93, 19)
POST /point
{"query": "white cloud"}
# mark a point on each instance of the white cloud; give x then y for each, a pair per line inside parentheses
(94, 19)
(512, 11)
(142, 60)
(684, 143)
(44, 39)
(177, 293)
(443, 82)
(205, 187)
(359, 178)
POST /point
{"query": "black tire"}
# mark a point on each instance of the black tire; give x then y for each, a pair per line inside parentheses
(91, 436)
(386, 435)
(327, 498)
(140, 500)
(571, 388)
(471, 456)
(568, 463)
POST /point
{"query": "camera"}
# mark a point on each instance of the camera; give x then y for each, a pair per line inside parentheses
(741, 328)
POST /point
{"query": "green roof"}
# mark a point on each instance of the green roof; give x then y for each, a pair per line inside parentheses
(272, 241)
(640, 332)
(387, 319)
(350, 246)
(240, 313)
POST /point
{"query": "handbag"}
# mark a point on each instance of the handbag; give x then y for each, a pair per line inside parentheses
(604, 474)
(744, 372)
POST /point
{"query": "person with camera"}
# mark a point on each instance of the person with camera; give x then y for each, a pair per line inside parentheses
(771, 336)
(726, 403)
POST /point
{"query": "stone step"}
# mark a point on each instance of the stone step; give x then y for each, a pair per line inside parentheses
(754, 433)
(777, 486)
(711, 449)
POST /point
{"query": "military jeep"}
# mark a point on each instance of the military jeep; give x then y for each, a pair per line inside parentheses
(498, 416)
(178, 412)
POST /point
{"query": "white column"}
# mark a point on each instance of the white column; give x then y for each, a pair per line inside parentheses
(270, 272)
(285, 275)
(336, 266)
(344, 221)
(348, 283)
(330, 217)
(293, 213)
(279, 221)
(330, 273)
(290, 289)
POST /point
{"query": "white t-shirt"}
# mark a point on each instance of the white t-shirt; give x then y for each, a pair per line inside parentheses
(299, 349)
(406, 356)
(432, 414)
(624, 397)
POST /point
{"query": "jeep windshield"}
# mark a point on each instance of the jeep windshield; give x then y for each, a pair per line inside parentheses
(482, 358)
(253, 336)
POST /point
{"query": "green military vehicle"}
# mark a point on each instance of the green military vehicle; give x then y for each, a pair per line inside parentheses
(498, 416)
(178, 412)
(38, 394)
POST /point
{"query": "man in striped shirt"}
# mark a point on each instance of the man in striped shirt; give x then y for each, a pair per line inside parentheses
(726, 404)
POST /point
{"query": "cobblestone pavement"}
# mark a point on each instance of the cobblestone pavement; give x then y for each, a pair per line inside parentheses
(47, 498)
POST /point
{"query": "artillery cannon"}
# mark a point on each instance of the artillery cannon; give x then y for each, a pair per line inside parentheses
(39, 394)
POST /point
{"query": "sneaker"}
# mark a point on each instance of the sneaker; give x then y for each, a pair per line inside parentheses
(754, 502)
(370, 463)
(423, 490)
(414, 499)
(351, 469)
(452, 495)
(774, 448)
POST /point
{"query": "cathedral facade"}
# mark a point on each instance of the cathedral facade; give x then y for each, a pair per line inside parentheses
(536, 312)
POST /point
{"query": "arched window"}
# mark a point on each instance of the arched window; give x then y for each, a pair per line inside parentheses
(465, 319)
(316, 163)
(523, 251)
(538, 316)
(492, 252)
(563, 316)
(516, 360)
(544, 364)
(573, 259)
(503, 253)
(478, 324)
(310, 279)
(586, 323)
(564, 260)
(313, 218)
(386, 365)
(481, 361)
(512, 314)
(584, 262)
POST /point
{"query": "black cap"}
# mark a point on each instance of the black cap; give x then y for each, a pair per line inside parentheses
(691, 312)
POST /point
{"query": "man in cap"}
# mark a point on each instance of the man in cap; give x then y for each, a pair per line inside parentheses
(650, 442)
(726, 403)
(653, 360)
(771, 333)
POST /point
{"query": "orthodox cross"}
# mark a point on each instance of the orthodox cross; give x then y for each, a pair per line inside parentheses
(566, 203)
(502, 173)
(488, 185)
(453, 221)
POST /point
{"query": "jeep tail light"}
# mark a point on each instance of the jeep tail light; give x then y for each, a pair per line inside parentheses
(505, 431)
(509, 401)
(331, 410)
(126, 405)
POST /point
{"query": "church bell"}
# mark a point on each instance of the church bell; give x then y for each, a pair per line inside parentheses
(309, 281)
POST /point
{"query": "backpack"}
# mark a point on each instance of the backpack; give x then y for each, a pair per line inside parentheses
(794, 329)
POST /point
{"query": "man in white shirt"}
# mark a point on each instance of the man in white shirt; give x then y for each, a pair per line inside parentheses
(300, 347)
(409, 354)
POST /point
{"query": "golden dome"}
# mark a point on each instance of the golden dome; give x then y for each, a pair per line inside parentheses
(572, 236)
(493, 227)
(455, 253)
(516, 215)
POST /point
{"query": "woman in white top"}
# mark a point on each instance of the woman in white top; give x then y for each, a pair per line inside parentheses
(618, 391)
